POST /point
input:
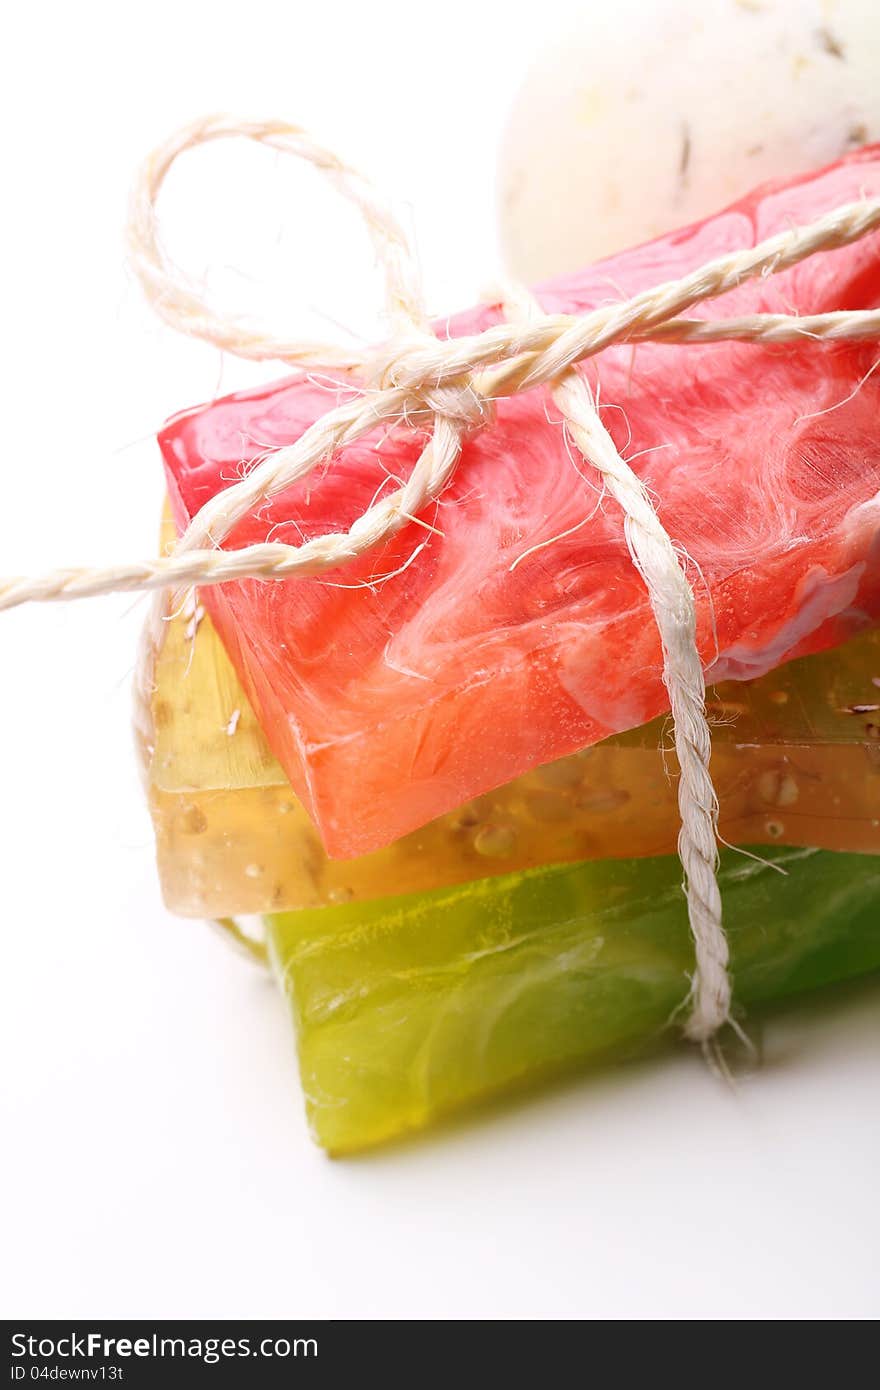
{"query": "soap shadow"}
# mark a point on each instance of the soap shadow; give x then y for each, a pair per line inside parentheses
(792, 1031)
(783, 1038)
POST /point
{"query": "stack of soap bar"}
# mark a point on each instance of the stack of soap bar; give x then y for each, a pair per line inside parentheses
(449, 801)
(797, 760)
(409, 1007)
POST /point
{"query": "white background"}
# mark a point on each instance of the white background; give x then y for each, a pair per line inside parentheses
(156, 1159)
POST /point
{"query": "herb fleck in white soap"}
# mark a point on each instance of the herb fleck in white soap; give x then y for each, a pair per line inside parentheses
(647, 116)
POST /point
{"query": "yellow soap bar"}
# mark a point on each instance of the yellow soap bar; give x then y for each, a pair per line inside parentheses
(796, 760)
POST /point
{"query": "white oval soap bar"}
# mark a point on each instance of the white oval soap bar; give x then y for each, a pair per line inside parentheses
(652, 113)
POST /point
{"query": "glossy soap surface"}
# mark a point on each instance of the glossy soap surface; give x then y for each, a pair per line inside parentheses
(392, 700)
(409, 1008)
(796, 760)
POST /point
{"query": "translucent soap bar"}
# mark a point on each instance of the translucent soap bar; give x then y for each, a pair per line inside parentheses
(797, 760)
(410, 1007)
(447, 662)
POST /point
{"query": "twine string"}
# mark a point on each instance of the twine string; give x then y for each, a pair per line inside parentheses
(446, 388)
(674, 609)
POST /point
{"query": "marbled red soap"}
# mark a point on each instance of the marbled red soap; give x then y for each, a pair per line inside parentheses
(429, 672)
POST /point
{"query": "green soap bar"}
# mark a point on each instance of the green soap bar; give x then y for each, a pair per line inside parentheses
(408, 1007)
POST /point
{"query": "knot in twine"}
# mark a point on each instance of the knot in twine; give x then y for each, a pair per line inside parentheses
(447, 388)
(459, 402)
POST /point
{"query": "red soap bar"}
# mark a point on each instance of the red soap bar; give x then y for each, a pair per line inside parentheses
(392, 692)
